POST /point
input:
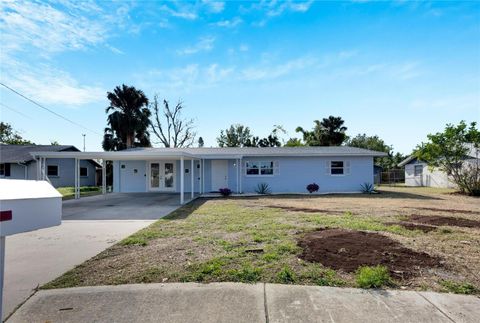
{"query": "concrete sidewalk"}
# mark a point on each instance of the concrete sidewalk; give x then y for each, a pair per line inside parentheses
(232, 302)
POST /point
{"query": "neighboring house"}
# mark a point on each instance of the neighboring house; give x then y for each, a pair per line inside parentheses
(418, 173)
(203, 170)
(17, 162)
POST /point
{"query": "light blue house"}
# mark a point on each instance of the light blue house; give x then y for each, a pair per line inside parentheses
(17, 162)
(195, 171)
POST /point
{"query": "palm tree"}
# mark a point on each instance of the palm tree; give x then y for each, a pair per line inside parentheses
(328, 132)
(128, 120)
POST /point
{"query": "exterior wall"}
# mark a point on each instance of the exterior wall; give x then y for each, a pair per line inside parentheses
(431, 178)
(295, 173)
(66, 172)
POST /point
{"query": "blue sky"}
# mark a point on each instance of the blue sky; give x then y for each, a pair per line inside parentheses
(397, 69)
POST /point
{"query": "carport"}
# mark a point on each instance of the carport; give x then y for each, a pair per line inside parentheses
(147, 155)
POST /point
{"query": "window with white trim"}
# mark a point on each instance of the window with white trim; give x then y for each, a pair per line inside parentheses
(337, 167)
(261, 168)
(52, 170)
(83, 172)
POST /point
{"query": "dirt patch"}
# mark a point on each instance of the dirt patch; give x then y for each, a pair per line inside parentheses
(446, 210)
(347, 250)
(414, 226)
(444, 220)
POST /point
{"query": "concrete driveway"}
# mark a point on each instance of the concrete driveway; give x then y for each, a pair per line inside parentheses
(89, 226)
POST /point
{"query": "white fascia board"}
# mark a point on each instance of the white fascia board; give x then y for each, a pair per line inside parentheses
(113, 155)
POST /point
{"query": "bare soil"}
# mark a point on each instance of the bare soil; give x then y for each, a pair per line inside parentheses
(444, 220)
(347, 250)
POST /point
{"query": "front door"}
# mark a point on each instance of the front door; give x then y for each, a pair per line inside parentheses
(219, 174)
(162, 176)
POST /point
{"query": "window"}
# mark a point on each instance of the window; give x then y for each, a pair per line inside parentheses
(83, 171)
(2, 169)
(52, 170)
(336, 167)
(260, 168)
(418, 170)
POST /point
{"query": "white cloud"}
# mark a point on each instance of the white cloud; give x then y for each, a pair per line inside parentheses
(271, 72)
(50, 86)
(39, 25)
(229, 23)
(277, 8)
(204, 44)
(243, 48)
(114, 49)
(459, 102)
(214, 6)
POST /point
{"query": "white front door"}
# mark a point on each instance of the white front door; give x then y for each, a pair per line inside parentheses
(219, 174)
(162, 176)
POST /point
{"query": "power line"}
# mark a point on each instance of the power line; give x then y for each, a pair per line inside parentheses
(49, 110)
(15, 110)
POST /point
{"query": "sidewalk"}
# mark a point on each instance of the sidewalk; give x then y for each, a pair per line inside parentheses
(231, 302)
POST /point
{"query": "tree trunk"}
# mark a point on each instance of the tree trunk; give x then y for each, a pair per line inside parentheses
(129, 141)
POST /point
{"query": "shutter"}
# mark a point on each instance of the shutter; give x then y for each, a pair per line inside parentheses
(327, 167)
(7, 170)
(276, 168)
(347, 167)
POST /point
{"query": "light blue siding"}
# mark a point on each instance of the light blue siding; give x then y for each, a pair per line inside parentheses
(294, 174)
(66, 172)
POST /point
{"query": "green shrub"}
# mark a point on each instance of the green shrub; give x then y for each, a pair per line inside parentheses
(372, 277)
(459, 288)
(286, 276)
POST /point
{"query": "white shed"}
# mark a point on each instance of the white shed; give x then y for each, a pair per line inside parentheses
(27, 205)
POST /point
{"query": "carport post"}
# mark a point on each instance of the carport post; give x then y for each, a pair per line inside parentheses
(192, 178)
(2, 272)
(182, 180)
(104, 176)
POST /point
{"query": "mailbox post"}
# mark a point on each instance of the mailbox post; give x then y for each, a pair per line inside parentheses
(25, 205)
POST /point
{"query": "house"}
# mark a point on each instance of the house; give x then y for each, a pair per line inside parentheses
(418, 173)
(17, 162)
(203, 170)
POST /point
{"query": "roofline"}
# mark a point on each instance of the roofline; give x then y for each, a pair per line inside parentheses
(406, 160)
(153, 154)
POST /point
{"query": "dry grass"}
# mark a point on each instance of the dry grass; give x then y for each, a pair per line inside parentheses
(255, 239)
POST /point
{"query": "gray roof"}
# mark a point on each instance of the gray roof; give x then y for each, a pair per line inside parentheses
(21, 153)
(270, 151)
(472, 152)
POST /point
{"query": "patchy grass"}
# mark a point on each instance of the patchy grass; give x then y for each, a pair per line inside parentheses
(255, 240)
(68, 192)
(458, 287)
(372, 277)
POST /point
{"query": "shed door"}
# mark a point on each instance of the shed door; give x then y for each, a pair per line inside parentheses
(219, 174)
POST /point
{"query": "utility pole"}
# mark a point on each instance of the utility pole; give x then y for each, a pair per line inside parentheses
(83, 141)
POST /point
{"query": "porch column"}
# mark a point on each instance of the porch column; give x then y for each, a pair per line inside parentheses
(192, 178)
(237, 173)
(241, 174)
(76, 178)
(39, 168)
(104, 176)
(203, 176)
(44, 173)
(182, 178)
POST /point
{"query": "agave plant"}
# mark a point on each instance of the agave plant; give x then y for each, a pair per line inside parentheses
(263, 188)
(367, 188)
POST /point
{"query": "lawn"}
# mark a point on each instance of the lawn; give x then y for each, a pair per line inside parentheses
(277, 239)
(68, 192)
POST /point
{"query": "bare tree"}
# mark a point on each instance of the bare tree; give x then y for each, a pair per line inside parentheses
(174, 131)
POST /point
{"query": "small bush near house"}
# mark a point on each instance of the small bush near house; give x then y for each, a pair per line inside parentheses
(225, 191)
(367, 188)
(263, 188)
(313, 188)
(372, 277)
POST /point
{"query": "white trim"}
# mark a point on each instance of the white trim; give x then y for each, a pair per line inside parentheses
(161, 173)
(260, 169)
(182, 180)
(192, 179)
